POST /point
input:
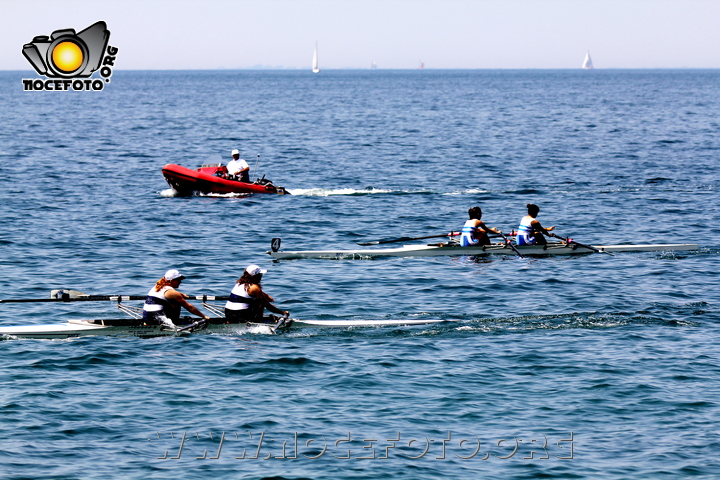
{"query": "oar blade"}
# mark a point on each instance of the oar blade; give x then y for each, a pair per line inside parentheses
(66, 294)
(387, 240)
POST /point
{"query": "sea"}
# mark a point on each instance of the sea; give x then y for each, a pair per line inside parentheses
(567, 367)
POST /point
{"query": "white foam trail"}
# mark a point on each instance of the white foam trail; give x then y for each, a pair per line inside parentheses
(260, 329)
(325, 192)
(224, 195)
(470, 191)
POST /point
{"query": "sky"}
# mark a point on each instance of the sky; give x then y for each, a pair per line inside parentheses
(395, 34)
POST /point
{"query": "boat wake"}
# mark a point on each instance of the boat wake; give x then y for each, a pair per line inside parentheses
(419, 325)
(171, 193)
(224, 195)
(668, 315)
(327, 192)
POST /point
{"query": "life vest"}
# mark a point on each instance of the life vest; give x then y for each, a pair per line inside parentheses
(156, 304)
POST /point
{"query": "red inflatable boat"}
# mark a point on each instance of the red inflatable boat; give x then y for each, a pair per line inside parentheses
(213, 178)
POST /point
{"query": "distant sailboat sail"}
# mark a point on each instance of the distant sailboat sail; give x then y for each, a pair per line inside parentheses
(316, 68)
(587, 64)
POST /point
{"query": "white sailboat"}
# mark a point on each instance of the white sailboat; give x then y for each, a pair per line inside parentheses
(587, 64)
(315, 67)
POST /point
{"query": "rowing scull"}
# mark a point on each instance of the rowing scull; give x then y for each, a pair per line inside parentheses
(125, 327)
(136, 326)
(451, 248)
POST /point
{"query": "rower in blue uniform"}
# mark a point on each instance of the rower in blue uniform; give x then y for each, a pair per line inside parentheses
(163, 302)
(475, 232)
(247, 299)
(530, 232)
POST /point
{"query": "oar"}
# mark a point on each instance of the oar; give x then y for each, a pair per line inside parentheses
(508, 242)
(283, 323)
(193, 327)
(75, 296)
(570, 240)
(407, 239)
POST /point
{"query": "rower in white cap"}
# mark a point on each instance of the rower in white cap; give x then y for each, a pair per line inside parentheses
(163, 301)
(238, 169)
(248, 301)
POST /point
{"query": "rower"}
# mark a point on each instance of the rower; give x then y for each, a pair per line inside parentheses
(530, 232)
(163, 301)
(247, 299)
(238, 169)
(475, 232)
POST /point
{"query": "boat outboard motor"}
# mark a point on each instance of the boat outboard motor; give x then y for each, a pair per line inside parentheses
(262, 181)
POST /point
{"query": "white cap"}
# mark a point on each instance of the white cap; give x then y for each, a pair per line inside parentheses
(236, 152)
(173, 274)
(255, 270)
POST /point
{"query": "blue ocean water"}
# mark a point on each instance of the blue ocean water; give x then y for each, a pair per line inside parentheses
(558, 367)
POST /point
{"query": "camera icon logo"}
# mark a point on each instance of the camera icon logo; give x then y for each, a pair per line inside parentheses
(66, 54)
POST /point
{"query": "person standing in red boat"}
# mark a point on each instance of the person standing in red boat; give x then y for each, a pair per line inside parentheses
(238, 169)
(163, 301)
(530, 232)
(247, 299)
